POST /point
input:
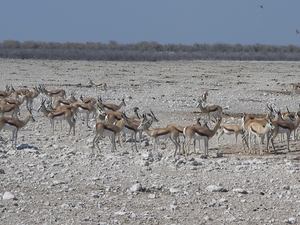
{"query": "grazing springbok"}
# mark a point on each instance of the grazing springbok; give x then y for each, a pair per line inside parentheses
(98, 84)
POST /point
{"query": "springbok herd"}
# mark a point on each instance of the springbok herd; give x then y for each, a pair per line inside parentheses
(111, 121)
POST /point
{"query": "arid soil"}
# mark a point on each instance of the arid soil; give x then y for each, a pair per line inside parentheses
(60, 179)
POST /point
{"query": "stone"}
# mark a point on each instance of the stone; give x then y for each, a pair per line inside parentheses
(174, 190)
(136, 187)
(214, 188)
(120, 213)
(241, 191)
(8, 196)
(151, 196)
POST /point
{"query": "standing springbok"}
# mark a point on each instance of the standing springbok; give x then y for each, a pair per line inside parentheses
(111, 130)
(210, 110)
(199, 133)
(204, 96)
(8, 91)
(15, 124)
(260, 129)
(295, 89)
(286, 127)
(113, 107)
(60, 114)
(53, 93)
(161, 133)
(132, 128)
(230, 129)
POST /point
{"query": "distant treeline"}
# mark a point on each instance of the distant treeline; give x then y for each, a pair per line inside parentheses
(145, 51)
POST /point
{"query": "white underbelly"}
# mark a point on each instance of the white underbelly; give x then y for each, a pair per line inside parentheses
(199, 137)
(227, 132)
(163, 137)
(107, 133)
(9, 127)
(59, 118)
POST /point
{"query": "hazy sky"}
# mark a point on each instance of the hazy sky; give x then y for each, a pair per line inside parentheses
(162, 21)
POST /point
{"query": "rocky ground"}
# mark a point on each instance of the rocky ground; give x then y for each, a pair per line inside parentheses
(59, 179)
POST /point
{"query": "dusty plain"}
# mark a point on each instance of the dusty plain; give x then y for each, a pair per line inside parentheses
(60, 179)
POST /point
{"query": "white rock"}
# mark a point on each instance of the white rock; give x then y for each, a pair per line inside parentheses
(64, 206)
(8, 196)
(214, 188)
(120, 213)
(174, 190)
(207, 218)
(151, 196)
(292, 220)
(223, 200)
(136, 187)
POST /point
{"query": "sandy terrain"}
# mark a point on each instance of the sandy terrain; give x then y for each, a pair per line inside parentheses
(60, 180)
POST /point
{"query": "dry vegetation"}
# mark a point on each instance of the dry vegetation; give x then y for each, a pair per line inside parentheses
(145, 51)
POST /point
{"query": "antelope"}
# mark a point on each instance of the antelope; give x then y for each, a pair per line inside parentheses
(8, 91)
(31, 95)
(287, 115)
(88, 99)
(200, 133)
(286, 127)
(98, 84)
(112, 107)
(112, 116)
(181, 128)
(160, 133)
(15, 124)
(10, 109)
(86, 108)
(17, 102)
(248, 118)
(210, 110)
(22, 91)
(100, 115)
(111, 130)
(295, 89)
(204, 96)
(260, 129)
(132, 128)
(53, 93)
(229, 129)
(59, 101)
(62, 114)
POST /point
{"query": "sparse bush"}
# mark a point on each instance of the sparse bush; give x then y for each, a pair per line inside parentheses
(145, 51)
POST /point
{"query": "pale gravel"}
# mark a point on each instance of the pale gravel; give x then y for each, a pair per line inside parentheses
(60, 180)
